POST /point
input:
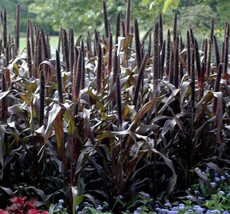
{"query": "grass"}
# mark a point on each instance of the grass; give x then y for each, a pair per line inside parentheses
(53, 44)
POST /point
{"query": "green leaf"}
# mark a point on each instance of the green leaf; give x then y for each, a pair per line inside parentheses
(77, 201)
(53, 113)
(59, 133)
(168, 4)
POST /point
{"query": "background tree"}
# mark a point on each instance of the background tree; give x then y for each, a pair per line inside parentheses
(87, 15)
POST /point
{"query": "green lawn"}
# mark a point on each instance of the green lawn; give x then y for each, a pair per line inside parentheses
(53, 43)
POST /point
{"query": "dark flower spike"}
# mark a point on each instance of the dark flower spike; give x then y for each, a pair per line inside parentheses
(99, 68)
(205, 50)
(180, 50)
(197, 59)
(42, 98)
(192, 38)
(59, 78)
(4, 100)
(168, 53)
(212, 30)
(209, 56)
(119, 104)
(225, 60)
(217, 88)
(137, 44)
(118, 24)
(115, 67)
(106, 24)
(28, 29)
(48, 46)
(222, 54)
(4, 32)
(171, 71)
(78, 41)
(0, 47)
(71, 49)
(123, 27)
(127, 19)
(161, 39)
(59, 40)
(45, 54)
(96, 41)
(38, 53)
(31, 28)
(175, 28)
(7, 56)
(150, 44)
(78, 78)
(83, 65)
(176, 65)
(109, 67)
(227, 29)
(156, 58)
(73, 77)
(162, 60)
(17, 29)
(193, 79)
(139, 79)
(65, 48)
(188, 54)
(216, 52)
(89, 48)
(29, 58)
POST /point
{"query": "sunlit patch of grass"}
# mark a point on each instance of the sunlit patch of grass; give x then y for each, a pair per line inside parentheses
(53, 44)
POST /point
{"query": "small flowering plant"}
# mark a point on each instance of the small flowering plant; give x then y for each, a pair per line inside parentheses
(20, 205)
(58, 208)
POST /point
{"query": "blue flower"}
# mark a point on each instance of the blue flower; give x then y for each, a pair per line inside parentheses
(217, 179)
(163, 210)
(138, 209)
(77, 207)
(213, 184)
(196, 192)
(221, 192)
(147, 195)
(99, 207)
(200, 198)
(181, 206)
(167, 204)
(135, 212)
(189, 197)
(105, 204)
(213, 212)
(61, 201)
(60, 206)
(79, 212)
(172, 212)
(86, 203)
(120, 196)
(227, 174)
(198, 209)
(207, 169)
(222, 178)
(175, 208)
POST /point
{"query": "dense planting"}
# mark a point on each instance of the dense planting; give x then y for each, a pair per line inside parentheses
(112, 117)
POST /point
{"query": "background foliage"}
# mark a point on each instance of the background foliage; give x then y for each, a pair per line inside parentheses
(87, 15)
